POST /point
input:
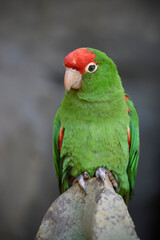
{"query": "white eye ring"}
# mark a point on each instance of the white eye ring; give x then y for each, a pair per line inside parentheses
(91, 67)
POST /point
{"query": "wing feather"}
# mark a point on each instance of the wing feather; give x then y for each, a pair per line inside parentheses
(56, 148)
(134, 144)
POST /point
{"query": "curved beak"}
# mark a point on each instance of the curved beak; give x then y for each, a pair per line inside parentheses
(72, 79)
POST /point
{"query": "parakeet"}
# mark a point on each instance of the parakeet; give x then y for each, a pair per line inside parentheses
(96, 128)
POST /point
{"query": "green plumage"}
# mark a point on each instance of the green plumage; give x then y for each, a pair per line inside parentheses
(95, 122)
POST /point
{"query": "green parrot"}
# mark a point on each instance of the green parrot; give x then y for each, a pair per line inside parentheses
(96, 128)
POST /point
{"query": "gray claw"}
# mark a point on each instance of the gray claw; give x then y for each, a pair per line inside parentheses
(101, 173)
(86, 175)
(117, 189)
(81, 182)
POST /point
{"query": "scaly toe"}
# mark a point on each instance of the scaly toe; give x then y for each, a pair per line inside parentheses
(115, 185)
(113, 180)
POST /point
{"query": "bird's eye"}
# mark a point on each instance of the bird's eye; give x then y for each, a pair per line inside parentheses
(91, 67)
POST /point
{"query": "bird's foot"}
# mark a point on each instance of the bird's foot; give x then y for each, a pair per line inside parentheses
(81, 180)
(101, 174)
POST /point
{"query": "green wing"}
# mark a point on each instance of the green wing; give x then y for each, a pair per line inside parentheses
(134, 146)
(56, 150)
(61, 167)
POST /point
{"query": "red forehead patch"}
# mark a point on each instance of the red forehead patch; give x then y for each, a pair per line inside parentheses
(79, 59)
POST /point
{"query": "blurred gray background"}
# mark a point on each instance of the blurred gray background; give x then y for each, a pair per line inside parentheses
(35, 36)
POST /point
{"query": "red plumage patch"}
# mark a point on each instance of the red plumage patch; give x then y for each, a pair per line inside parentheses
(129, 138)
(126, 97)
(128, 129)
(79, 58)
(60, 138)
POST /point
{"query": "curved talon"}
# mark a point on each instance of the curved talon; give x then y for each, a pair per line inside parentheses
(86, 175)
(100, 173)
(117, 189)
(81, 182)
(80, 179)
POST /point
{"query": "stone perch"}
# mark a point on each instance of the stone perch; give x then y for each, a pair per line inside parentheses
(99, 215)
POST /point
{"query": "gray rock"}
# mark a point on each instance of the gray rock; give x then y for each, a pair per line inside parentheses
(99, 215)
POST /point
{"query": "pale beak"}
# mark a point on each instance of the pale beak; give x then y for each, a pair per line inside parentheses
(72, 79)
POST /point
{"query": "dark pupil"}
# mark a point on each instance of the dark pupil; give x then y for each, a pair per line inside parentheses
(91, 68)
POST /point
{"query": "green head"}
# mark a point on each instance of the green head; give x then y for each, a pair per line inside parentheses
(91, 74)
